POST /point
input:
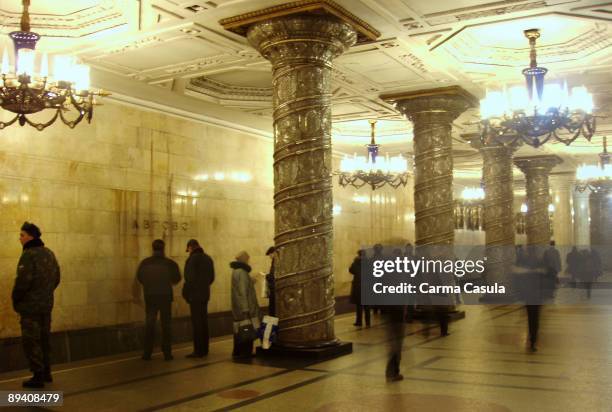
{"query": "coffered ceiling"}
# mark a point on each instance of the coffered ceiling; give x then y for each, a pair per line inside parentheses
(179, 47)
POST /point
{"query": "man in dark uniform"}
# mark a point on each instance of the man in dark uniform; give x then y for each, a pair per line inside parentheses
(158, 274)
(199, 275)
(38, 274)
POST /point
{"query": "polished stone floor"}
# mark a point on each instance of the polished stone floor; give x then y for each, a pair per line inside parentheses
(481, 366)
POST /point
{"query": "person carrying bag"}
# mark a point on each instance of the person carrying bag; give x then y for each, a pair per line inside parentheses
(245, 308)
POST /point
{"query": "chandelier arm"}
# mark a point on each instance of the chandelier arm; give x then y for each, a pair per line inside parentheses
(570, 140)
(547, 138)
(71, 123)
(41, 126)
(10, 122)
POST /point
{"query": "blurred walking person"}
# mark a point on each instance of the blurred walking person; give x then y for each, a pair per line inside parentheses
(588, 271)
(395, 330)
(38, 275)
(552, 264)
(573, 264)
(245, 308)
(532, 287)
(199, 275)
(158, 274)
(355, 270)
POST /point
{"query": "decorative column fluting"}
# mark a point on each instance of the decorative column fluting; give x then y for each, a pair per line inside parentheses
(537, 170)
(301, 47)
(600, 205)
(432, 113)
(498, 212)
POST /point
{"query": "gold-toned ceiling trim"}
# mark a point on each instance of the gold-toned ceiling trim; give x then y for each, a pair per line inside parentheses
(240, 24)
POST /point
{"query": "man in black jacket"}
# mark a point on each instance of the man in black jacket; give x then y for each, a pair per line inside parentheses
(158, 274)
(199, 275)
(38, 275)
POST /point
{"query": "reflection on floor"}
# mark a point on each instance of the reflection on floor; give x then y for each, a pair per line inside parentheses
(481, 366)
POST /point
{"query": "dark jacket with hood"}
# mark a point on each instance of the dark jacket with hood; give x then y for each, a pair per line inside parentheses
(199, 275)
(38, 274)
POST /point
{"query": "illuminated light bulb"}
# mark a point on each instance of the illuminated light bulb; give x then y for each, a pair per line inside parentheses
(25, 61)
(336, 210)
(345, 164)
(81, 77)
(551, 208)
(5, 62)
(552, 97)
(524, 208)
(62, 68)
(44, 66)
(493, 105)
(581, 99)
(473, 193)
(203, 177)
(519, 98)
(219, 176)
(565, 98)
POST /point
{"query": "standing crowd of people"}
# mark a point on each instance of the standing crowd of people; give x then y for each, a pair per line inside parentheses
(38, 275)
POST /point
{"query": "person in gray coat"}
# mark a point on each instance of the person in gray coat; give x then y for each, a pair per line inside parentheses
(245, 307)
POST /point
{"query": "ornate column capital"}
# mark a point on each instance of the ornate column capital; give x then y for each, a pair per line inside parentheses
(314, 8)
(448, 102)
(535, 164)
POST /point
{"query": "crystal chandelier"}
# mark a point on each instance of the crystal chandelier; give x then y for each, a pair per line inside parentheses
(469, 209)
(373, 170)
(552, 112)
(594, 177)
(27, 90)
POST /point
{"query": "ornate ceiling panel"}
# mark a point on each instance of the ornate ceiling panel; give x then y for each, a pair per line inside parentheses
(179, 45)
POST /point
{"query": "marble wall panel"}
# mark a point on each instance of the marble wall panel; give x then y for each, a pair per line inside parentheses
(102, 192)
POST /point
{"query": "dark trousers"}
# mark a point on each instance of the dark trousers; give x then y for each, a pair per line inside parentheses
(359, 311)
(163, 307)
(36, 337)
(272, 304)
(533, 320)
(395, 331)
(199, 322)
(242, 349)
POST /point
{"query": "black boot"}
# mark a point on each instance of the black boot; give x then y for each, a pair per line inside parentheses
(37, 382)
(47, 377)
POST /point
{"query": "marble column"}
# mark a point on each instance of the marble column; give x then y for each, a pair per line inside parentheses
(600, 206)
(432, 113)
(537, 170)
(582, 235)
(301, 47)
(498, 212)
(563, 229)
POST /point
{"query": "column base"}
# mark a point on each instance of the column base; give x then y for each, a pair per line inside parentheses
(324, 352)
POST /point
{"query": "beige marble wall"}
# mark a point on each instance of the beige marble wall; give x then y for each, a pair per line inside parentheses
(102, 192)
